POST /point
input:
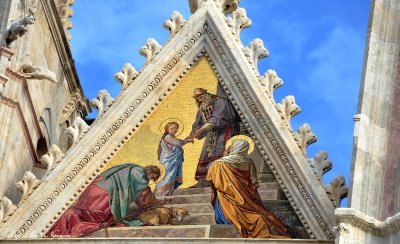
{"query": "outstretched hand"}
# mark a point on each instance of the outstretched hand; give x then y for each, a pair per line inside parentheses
(163, 201)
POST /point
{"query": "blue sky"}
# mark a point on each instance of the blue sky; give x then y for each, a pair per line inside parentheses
(315, 46)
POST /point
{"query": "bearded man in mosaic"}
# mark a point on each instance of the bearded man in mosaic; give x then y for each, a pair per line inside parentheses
(217, 121)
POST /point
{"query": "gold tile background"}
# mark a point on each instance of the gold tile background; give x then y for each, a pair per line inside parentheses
(142, 147)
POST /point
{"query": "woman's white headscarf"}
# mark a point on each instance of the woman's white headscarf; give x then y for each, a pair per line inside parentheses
(239, 158)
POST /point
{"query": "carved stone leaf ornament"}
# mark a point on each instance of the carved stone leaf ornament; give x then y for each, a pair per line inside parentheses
(305, 137)
(288, 108)
(31, 71)
(27, 185)
(126, 75)
(77, 129)
(238, 22)
(52, 157)
(150, 49)
(337, 190)
(102, 102)
(320, 164)
(271, 81)
(255, 52)
(175, 23)
(6, 209)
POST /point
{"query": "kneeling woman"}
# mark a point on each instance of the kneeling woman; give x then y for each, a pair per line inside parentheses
(235, 198)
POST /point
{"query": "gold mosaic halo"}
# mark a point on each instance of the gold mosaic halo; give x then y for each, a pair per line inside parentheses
(165, 122)
(241, 137)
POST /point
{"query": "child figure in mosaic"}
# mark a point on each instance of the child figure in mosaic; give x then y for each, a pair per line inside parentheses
(170, 154)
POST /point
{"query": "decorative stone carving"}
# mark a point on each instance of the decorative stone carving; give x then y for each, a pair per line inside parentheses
(271, 82)
(18, 28)
(52, 157)
(175, 23)
(255, 52)
(239, 21)
(6, 209)
(27, 185)
(65, 12)
(227, 6)
(126, 75)
(77, 129)
(35, 72)
(102, 102)
(337, 190)
(74, 101)
(305, 137)
(288, 108)
(150, 49)
(341, 229)
(320, 164)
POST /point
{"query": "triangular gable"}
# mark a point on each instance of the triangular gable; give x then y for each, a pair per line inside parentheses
(205, 34)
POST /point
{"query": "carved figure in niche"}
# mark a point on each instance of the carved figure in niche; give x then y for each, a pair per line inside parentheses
(18, 29)
(217, 121)
(235, 198)
(163, 215)
(170, 154)
(107, 199)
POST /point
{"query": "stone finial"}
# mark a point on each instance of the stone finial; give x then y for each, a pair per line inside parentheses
(150, 49)
(337, 190)
(6, 209)
(126, 75)
(270, 81)
(288, 108)
(31, 71)
(175, 23)
(77, 129)
(227, 6)
(320, 164)
(239, 21)
(305, 137)
(18, 28)
(52, 157)
(72, 104)
(255, 52)
(101, 102)
(27, 185)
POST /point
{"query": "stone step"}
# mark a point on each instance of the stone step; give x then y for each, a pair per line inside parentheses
(197, 219)
(194, 207)
(271, 205)
(191, 232)
(206, 197)
(191, 191)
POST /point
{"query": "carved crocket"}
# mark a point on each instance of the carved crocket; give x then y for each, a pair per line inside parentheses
(239, 21)
(337, 190)
(52, 157)
(101, 102)
(126, 75)
(174, 24)
(27, 185)
(288, 108)
(320, 164)
(150, 49)
(255, 52)
(77, 129)
(305, 137)
(271, 81)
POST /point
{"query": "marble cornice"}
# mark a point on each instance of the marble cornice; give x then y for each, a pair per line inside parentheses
(367, 223)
